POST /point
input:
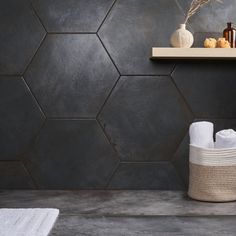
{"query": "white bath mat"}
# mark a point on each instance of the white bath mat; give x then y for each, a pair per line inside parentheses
(27, 222)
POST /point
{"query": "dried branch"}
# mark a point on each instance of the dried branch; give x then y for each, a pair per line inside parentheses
(195, 5)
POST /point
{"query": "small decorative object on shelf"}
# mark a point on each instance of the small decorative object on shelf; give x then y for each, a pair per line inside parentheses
(223, 43)
(213, 43)
(230, 35)
(210, 43)
(183, 38)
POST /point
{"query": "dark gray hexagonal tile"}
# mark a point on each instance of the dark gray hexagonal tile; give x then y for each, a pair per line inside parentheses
(20, 117)
(181, 157)
(72, 15)
(71, 75)
(71, 154)
(21, 34)
(13, 175)
(145, 118)
(161, 176)
(220, 124)
(211, 17)
(133, 28)
(209, 87)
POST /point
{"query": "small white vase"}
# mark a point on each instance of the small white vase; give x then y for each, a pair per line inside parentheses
(182, 38)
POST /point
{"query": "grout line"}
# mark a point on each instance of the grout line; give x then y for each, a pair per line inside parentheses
(108, 96)
(33, 139)
(108, 54)
(182, 139)
(35, 99)
(172, 71)
(99, 112)
(37, 15)
(30, 175)
(24, 160)
(101, 39)
(112, 175)
(40, 45)
(188, 108)
(108, 12)
(71, 118)
(107, 137)
(182, 96)
(175, 66)
(23, 155)
(11, 75)
(64, 32)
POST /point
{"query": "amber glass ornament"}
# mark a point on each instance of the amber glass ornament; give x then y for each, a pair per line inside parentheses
(230, 35)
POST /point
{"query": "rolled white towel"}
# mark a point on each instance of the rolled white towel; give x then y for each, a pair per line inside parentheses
(201, 134)
(226, 139)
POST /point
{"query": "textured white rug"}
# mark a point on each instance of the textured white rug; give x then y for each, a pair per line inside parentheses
(27, 222)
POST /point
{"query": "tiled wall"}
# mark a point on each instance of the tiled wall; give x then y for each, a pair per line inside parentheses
(83, 107)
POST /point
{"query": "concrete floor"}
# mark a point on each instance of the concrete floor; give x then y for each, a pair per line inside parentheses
(128, 213)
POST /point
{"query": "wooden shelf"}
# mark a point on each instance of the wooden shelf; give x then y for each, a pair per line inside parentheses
(194, 53)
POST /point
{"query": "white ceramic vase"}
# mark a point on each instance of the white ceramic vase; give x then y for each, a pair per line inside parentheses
(182, 38)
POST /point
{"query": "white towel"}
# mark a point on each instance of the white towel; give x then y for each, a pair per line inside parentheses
(201, 134)
(226, 139)
(27, 222)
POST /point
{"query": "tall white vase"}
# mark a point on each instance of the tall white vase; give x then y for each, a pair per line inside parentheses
(182, 38)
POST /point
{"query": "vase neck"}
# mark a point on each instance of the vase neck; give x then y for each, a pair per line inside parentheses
(182, 26)
(229, 24)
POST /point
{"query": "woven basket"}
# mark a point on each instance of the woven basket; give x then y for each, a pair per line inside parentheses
(212, 174)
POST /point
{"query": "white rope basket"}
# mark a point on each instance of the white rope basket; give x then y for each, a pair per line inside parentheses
(212, 174)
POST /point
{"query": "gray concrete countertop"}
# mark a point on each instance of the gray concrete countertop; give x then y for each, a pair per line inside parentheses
(128, 212)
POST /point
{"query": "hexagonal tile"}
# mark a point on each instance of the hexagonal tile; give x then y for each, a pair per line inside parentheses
(145, 118)
(209, 87)
(71, 154)
(72, 15)
(71, 75)
(181, 157)
(20, 117)
(133, 28)
(161, 176)
(21, 34)
(13, 175)
(212, 17)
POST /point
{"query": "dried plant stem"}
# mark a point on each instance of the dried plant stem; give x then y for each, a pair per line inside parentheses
(194, 7)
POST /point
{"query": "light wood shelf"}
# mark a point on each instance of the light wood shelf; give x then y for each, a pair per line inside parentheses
(193, 53)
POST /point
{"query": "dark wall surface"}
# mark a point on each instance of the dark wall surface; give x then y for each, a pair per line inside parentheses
(83, 107)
